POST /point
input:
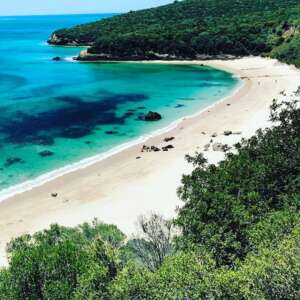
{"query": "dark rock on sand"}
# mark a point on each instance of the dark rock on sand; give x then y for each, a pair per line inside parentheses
(54, 195)
(227, 132)
(46, 153)
(169, 139)
(146, 148)
(155, 149)
(167, 148)
(152, 116)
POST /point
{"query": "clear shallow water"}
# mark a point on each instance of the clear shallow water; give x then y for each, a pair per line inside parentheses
(76, 110)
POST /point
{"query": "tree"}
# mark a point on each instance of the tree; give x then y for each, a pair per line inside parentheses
(155, 240)
(222, 202)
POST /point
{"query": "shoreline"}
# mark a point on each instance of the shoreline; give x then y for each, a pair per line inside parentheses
(118, 189)
(28, 185)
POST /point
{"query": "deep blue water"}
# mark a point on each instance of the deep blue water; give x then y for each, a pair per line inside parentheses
(76, 110)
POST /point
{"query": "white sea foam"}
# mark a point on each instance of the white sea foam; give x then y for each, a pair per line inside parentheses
(70, 59)
(43, 44)
(30, 184)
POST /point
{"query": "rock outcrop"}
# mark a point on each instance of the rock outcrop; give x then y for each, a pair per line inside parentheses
(152, 116)
(227, 132)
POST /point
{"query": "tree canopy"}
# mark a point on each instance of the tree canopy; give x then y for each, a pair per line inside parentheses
(192, 29)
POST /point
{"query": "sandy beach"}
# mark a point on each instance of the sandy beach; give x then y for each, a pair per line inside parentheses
(120, 188)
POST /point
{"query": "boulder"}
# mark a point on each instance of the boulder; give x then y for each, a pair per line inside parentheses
(154, 149)
(152, 116)
(167, 148)
(145, 148)
(169, 139)
(214, 135)
(56, 58)
(227, 132)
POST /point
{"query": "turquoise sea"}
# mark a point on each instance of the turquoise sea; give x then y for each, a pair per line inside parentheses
(55, 113)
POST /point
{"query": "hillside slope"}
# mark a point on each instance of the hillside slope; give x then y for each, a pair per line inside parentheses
(236, 237)
(193, 29)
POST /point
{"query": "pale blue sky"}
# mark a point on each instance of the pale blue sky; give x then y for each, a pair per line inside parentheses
(33, 7)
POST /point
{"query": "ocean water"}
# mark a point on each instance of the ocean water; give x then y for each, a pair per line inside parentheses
(55, 113)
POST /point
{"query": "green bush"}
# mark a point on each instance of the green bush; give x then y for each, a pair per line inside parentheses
(223, 202)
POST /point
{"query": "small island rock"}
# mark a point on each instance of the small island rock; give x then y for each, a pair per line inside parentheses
(152, 116)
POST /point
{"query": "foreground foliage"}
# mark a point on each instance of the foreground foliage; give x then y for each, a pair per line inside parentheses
(191, 28)
(236, 237)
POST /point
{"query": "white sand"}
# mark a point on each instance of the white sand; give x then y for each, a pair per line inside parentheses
(118, 189)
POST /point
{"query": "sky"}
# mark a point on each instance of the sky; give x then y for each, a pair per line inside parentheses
(46, 7)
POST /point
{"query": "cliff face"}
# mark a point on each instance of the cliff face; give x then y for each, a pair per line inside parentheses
(60, 40)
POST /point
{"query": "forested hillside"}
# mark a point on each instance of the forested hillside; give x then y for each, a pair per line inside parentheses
(191, 29)
(237, 236)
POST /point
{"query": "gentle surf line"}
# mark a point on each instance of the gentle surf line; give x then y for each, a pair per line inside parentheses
(84, 163)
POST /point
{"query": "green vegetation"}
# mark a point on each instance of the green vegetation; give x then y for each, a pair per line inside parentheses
(236, 237)
(193, 29)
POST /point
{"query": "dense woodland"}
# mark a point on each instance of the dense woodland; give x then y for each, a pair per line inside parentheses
(236, 237)
(191, 29)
